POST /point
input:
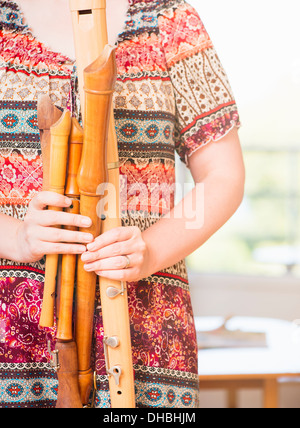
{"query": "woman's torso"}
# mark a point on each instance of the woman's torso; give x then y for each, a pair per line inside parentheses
(162, 328)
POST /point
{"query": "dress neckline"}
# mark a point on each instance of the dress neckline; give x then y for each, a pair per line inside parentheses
(62, 55)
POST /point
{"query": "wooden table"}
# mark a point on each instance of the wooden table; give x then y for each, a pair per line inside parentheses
(263, 368)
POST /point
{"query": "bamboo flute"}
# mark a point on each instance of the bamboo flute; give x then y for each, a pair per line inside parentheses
(90, 34)
(69, 261)
(99, 83)
(59, 136)
(47, 116)
(66, 348)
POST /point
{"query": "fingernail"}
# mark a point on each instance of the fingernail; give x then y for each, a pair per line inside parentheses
(88, 268)
(91, 246)
(86, 221)
(89, 237)
(68, 201)
(84, 257)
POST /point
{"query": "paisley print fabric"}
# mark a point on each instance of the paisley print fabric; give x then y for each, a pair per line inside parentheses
(172, 94)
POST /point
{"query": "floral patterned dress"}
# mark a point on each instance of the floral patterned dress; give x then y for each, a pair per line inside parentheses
(171, 94)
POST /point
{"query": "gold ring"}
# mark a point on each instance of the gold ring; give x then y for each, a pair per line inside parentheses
(127, 262)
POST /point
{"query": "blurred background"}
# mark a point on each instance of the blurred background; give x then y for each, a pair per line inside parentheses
(251, 268)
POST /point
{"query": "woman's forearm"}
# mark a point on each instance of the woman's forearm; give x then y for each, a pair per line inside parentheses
(193, 221)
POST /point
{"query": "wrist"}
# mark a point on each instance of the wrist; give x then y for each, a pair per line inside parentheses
(18, 240)
(151, 263)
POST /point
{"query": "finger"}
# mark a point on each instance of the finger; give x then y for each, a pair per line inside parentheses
(114, 250)
(112, 263)
(48, 234)
(62, 248)
(110, 237)
(55, 218)
(44, 199)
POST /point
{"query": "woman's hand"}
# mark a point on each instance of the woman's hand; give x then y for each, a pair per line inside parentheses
(36, 235)
(119, 254)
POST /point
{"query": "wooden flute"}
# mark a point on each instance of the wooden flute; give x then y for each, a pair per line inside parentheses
(99, 165)
(90, 30)
(61, 141)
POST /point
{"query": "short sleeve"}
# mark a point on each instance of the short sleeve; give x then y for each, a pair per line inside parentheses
(205, 105)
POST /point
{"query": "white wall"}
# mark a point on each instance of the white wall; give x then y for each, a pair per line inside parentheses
(246, 296)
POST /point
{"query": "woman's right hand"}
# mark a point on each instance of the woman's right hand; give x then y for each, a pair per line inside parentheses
(37, 237)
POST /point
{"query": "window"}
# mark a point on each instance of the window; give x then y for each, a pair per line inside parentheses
(264, 235)
(260, 54)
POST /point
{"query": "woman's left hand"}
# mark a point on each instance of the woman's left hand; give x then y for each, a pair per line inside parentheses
(119, 254)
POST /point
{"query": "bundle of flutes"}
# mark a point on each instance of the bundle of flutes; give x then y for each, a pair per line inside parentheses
(86, 158)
